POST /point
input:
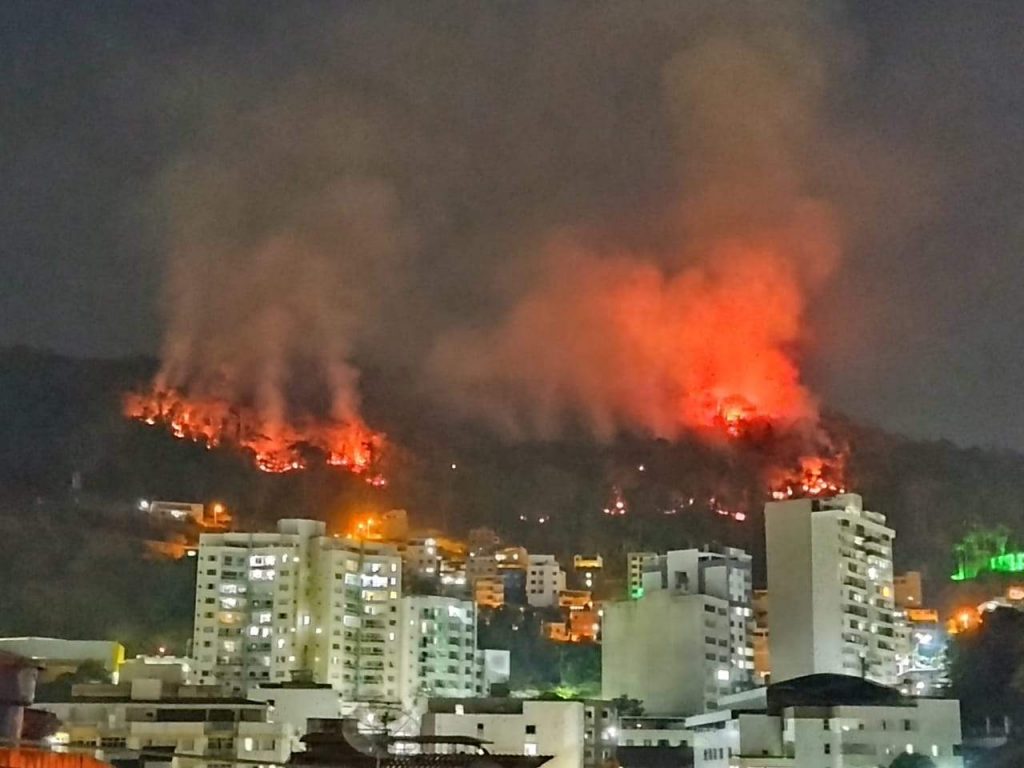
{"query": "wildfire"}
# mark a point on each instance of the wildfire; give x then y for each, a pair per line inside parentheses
(816, 476)
(276, 446)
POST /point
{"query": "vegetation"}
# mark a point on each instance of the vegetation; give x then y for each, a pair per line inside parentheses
(74, 562)
(59, 689)
(987, 668)
(538, 664)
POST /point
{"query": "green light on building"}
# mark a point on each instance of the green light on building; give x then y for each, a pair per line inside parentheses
(1010, 562)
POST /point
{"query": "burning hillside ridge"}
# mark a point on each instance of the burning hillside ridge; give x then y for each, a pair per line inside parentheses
(276, 445)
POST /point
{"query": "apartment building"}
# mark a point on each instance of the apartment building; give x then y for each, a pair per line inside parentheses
(296, 602)
(831, 584)
(203, 725)
(636, 564)
(826, 721)
(544, 580)
(439, 656)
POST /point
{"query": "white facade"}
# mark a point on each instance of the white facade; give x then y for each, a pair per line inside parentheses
(293, 706)
(117, 721)
(514, 726)
(544, 580)
(675, 652)
(439, 656)
(840, 736)
(687, 640)
(831, 584)
(270, 605)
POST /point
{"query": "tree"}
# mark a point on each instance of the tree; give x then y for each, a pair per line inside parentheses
(59, 689)
(912, 761)
(627, 706)
(983, 664)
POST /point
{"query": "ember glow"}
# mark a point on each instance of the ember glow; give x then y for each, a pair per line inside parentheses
(815, 476)
(277, 446)
(621, 344)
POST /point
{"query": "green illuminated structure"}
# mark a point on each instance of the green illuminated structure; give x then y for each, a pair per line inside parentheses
(984, 551)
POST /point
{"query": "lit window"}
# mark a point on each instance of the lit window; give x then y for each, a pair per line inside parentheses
(530, 748)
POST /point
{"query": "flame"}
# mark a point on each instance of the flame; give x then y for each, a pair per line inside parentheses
(816, 476)
(276, 446)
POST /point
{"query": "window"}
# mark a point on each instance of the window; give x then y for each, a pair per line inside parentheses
(529, 748)
(531, 729)
(828, 749)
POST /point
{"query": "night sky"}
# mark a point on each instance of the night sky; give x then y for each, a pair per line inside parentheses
(491, 127)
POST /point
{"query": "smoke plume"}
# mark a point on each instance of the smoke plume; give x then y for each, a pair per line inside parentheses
(703, 333)
(549, 213)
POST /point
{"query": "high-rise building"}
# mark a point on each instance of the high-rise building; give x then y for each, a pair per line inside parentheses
(636, 564)
(544, 580)
(273, 606)
(687, 641)
(907, 591)
(439, 655)
(831, 585)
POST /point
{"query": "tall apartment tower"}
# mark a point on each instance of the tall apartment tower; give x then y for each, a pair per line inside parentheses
(636, 564)
(270, 606)
(686, 642)
(439, 656)
(831, 585)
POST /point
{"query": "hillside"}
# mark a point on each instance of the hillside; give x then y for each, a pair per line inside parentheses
(74, 561)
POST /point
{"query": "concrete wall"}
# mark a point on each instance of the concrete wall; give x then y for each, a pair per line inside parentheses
(788, 537)
(558, 730)
(653, 649)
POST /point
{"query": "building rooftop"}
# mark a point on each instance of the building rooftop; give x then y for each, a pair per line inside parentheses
(829, 690)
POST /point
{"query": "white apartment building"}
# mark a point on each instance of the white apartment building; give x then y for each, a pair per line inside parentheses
(421, 559)
(636, 564)
(577, 734)
(439, 656)
(544, 580)
(831, 585)
(687, 640)
(117, 721)
(270, 605)
(673, 651)
(826, 721)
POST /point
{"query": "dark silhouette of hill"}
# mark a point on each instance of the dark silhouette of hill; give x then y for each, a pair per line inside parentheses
(61, 420)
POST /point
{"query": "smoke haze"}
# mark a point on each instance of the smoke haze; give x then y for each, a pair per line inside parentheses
(606, 215)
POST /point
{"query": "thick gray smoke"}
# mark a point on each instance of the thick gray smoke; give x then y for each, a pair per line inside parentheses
(401, 182)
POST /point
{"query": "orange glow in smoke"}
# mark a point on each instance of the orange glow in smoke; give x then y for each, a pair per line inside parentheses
(276, 446)
(816, 476)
